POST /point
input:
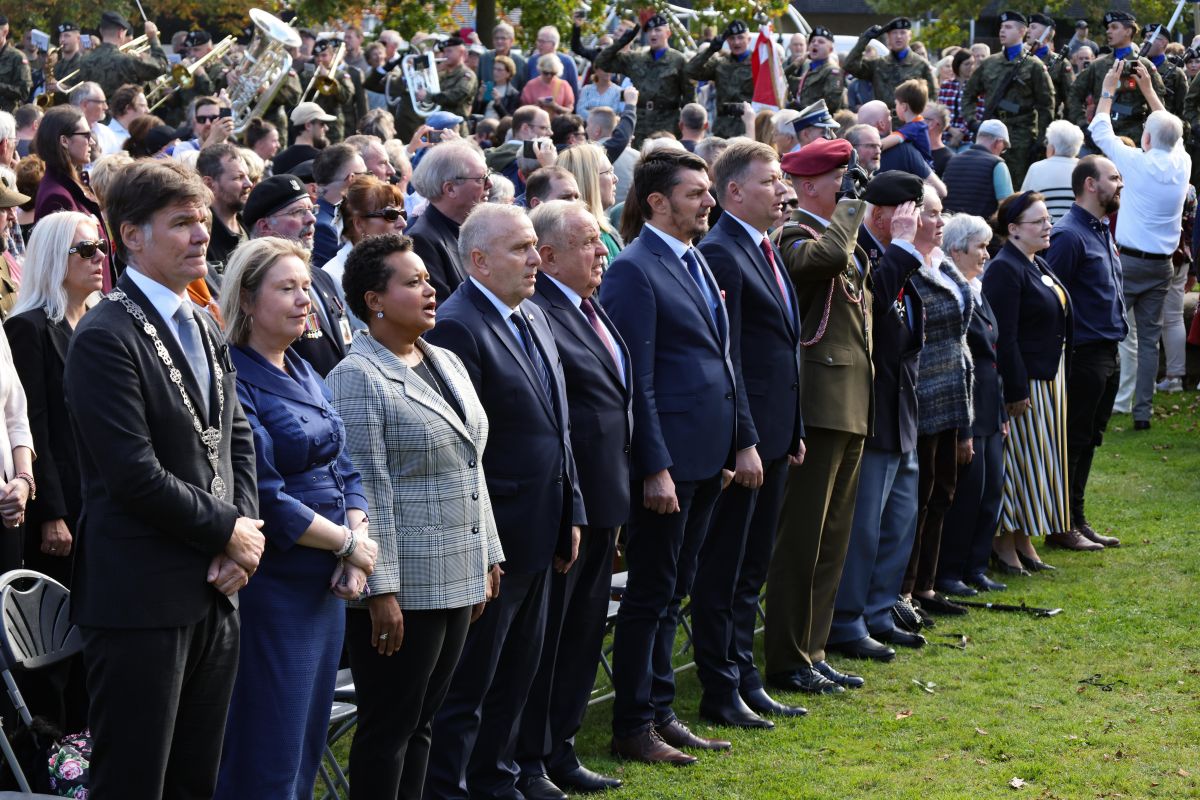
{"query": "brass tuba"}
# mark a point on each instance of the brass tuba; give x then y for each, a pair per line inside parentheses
(265, 65)
(420, 72)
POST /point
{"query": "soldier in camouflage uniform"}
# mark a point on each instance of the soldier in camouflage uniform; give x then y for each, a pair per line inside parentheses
(898, 66)
(323, 52)
(819, 79)
(1129, 109)
(16, 81)
(458, 85)
(731, 75)
(68, 59)
(1062, 75)
(1028, 96)
(112, 69)
(1175, 82)
(658, 74)
(205, 81)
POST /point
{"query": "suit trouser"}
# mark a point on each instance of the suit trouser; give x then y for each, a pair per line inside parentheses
(733, 566)
(937, 456)
(881, 539)
(1091, 388)
(810, 549)
(661, 553)
(475, 731)
(970, 524)
(398, 696)
(570, 654)
(159, 697)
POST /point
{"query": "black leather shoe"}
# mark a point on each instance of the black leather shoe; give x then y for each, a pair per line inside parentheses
(906, 616)
(539, 787)
(764, 705)
(1035, 564)
(1005, 568)
(839, 678)
(900, 638)
(865, 647)
(956, 588)
(1089, 533)
(985, 584)
(679, 736)
(582, 780)
(1141, 424)
(732, 713)
(940, 604)
(805, 679)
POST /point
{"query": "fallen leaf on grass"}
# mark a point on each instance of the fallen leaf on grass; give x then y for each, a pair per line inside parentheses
(926, 687)
(905, 714)
(981, 731)
(981, 762)
(1183, 773)
(1017, 783)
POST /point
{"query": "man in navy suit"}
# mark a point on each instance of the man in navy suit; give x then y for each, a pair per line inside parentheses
(509, 352)
(596, 364)
(763, 313)
(668, 307)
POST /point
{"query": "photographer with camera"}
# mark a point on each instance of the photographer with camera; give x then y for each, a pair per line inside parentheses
(731, 76)
(1129, 108)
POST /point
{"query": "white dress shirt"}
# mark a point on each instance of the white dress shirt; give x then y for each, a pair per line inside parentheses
(107, 139)
(501, 308)
(165, 301)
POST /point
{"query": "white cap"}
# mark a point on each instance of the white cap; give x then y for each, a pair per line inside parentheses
(994, 127)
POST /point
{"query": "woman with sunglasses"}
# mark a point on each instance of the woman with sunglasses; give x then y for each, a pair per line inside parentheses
(64, 265)
(371, 208)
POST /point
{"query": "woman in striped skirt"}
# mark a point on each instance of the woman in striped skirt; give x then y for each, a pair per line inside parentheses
(1033, 320)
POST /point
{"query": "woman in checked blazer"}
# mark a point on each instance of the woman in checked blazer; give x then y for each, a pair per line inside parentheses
(416, 432)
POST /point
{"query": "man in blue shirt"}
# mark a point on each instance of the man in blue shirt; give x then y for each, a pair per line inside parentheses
(1084, 257)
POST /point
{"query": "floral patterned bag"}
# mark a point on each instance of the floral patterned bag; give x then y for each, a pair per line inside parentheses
(69, 760)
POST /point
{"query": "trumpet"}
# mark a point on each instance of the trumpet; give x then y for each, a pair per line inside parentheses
(183, 76)
(326, 85)
(136, 46)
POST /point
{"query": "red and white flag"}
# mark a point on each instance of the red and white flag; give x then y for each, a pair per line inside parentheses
(770, 87)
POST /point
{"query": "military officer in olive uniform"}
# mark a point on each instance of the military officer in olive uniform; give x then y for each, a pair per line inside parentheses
(112, 69)
(731, 75)
(1062, 75)
(899, 65)
(16, 81)
(457, 84)
(1175, 81)
(1022, 101)
(1129, 109)
(206, 81)
(658, 74)
(66, 60)
(819, 78)
(332, 103)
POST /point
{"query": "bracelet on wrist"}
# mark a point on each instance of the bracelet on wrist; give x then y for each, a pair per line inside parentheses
(348, 544)
(28, 478)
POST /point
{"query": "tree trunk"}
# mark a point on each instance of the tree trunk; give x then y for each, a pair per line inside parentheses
(485, 20)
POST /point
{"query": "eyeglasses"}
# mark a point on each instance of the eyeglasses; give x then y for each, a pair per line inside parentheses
(87, 248)
(203, 118)
(295, 213)
(482, 180)
(391, 214)
(101, 101)
(79, 133)
(1041, 222)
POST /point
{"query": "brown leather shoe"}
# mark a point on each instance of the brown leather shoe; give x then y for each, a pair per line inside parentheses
(1072, 540)
(649, 748)
(676, 734)
(1090, 534)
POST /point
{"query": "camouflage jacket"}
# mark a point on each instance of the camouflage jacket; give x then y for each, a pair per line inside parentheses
(827, 83)
(112, 69)
(1129, 108)
(16, 80)
(888, 72)
(733, 81)
(1028, 98)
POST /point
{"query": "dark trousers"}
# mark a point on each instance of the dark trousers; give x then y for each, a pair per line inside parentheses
(570, 654)
(810, 549)
(397, 697)
(661, 554)
(732, 569)
(159, 697)
(937, 460)
(1091, 389)
(970, 524)
(475, 731)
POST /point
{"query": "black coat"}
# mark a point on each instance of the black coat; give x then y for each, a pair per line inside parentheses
(987, 392)
(324, 352)
(435, 240)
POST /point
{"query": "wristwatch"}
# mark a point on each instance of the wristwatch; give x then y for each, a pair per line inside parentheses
(1106, 95)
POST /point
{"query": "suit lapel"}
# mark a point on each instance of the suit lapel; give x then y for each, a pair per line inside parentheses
(469, 428)
(254, 370)
(674, 266)
(414, 388)
(60, 337)
(766, 275)
(501, 330)
(573, 320)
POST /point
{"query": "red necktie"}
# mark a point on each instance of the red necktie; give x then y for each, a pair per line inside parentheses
(765, 244)
(593, 318)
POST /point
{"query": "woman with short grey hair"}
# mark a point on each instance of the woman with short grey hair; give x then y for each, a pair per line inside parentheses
(1052, 175)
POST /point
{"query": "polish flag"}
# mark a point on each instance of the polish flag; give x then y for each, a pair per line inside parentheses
(770, 87)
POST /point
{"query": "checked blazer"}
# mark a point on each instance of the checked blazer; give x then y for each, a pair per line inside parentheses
(422, 473)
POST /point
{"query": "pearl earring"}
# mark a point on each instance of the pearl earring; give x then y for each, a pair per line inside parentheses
(379, 314)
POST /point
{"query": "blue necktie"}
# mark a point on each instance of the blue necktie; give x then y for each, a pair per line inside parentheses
(535, 356)
(193, 350)
(693, 268)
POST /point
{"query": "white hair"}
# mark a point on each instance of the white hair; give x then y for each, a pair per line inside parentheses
(442, 163)
(1165, 130)
(8, 126)
(550, 30)
(964, 231)
(782, 122)
(665, 143)
(1065, 137)
(550, 63)
(483, 225)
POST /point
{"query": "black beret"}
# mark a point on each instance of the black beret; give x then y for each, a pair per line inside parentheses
(1042, 19)
(195, 38)
(159, 137)
(450, 41)
(1013, 16)
(3, 19)
(736, 27)
(657, 21)
(894, 187)
(821, 31)
(66, 27)
(1081, 23)
(1156, 30)
(321, 45)
(271, 195)
(1119, 16)
(113, 19)
(898, 24)
(303, 171)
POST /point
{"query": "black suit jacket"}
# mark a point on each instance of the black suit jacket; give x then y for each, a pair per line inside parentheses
(600, 403)
(767, 368)
(987, 393)
(150, 527)
(528, 462)
(895, 344)
(39, 351)
(325, 352)
(435, 240)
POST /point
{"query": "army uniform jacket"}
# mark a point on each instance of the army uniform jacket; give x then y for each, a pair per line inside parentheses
(112, 69)
(888, 72)
(662, 86)
(733, 80)
(1175, 87)
(1028, 99)
(1129, 109)
(16, 80)
(331, 103)
(827, 83)
(1062, 75)
(458, 89)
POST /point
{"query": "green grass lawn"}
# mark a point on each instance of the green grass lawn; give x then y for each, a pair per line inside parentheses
(1013, 703)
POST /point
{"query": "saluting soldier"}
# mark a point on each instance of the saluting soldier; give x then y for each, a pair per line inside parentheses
(16, 81)
(658, 74)
(1175, 82)
(1062, 75)
(112, 69)
(1129, 108)
(458, 84)
(819, 78)
(731, 74)
(899, 65)
(323, 52)
(1021, 100)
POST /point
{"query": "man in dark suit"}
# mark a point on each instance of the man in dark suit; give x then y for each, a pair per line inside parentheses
(885, 510)
(508, 350)
(596, 364)
(167, 534)
(280, 206)
(333, 170)
(455, 179)
(666, 304)
(762, 313)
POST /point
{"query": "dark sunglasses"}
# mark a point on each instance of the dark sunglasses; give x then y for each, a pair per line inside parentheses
(203, 118)
(87, 248)
(391, 214)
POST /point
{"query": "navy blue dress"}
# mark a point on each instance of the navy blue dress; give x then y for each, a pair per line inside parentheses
(292, 624)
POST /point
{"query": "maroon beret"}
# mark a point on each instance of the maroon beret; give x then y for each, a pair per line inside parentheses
(817, 158)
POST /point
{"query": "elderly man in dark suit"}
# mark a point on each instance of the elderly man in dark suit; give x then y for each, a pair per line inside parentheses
(596, 364)
(455, 179)
(167, 534)
(668, 307)
(508, 350)
(764, 315)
